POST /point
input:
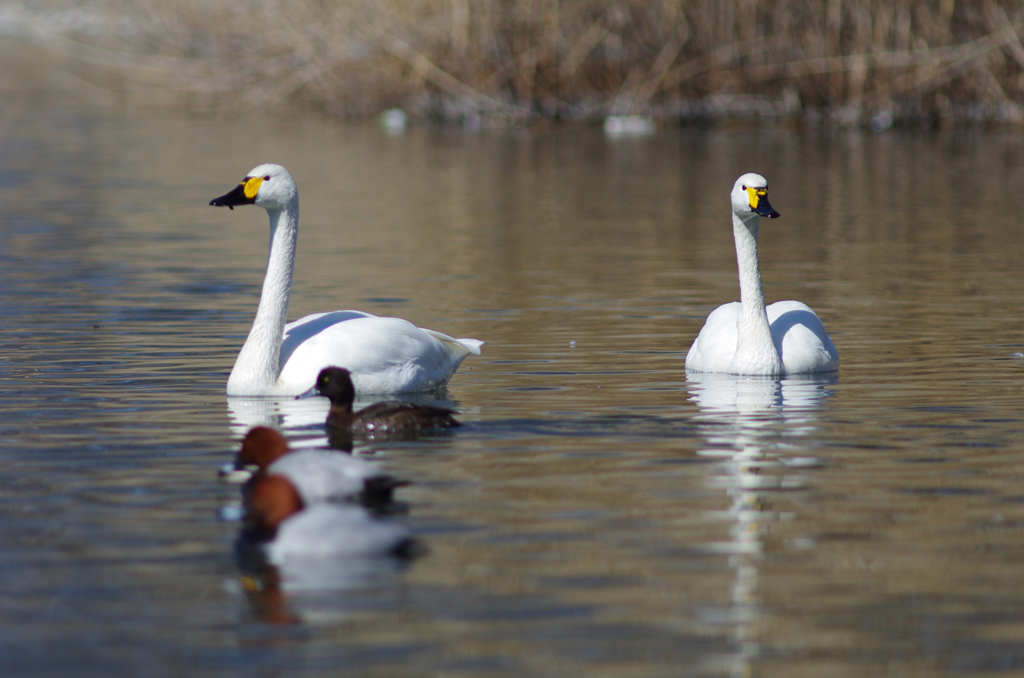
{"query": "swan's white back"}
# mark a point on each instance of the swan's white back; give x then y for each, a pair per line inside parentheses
(385, 355)
(746, 337)
(798, 337)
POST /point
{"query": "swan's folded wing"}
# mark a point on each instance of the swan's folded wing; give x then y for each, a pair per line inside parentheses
(714, 347)
(801, 339)
(384, 355)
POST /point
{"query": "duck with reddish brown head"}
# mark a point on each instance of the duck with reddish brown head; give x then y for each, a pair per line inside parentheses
(277, 517)
(317, 475)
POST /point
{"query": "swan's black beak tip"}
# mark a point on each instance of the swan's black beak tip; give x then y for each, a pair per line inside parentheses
(767, 212)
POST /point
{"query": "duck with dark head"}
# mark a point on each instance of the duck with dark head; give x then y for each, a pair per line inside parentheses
(393, 418)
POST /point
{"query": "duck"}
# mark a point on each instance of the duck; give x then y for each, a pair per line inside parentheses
(278, 520)
(390, 418)
(278, 358)
(319, 476)
(746, 337)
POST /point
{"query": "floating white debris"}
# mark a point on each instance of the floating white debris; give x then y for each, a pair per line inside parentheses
(232, 513)
(629, 126)
(881, 121)
(394, 120)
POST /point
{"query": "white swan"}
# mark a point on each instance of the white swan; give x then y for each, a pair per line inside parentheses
(385, 355)
(746, 338)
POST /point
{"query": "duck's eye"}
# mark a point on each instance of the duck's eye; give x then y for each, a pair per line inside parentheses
(743, 187)
(266, 178)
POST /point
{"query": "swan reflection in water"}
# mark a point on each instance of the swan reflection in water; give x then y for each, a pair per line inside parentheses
(285, 414)
(752, 426)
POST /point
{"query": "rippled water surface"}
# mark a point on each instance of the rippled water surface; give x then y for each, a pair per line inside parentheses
(600, 514)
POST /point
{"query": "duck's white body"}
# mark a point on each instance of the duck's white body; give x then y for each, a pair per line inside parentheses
(745, 337)
(320, 476)
(385, 355)
(333, 531)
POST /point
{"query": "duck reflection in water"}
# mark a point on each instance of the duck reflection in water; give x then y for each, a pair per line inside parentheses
(388, 419)
(313, 591)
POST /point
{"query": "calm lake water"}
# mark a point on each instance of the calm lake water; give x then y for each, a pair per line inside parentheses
(600, 514)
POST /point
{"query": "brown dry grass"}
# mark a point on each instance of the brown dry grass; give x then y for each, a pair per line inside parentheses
(521, 59)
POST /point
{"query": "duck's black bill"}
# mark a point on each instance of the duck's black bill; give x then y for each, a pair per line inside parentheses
(235, 197)
(765, 210)
(311, 393)
(236, 473)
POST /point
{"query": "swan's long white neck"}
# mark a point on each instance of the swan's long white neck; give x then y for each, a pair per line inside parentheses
(755, 349)
(257, 367)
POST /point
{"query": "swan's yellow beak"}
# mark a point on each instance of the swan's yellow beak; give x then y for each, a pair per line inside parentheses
(759, 203)
(243, 194)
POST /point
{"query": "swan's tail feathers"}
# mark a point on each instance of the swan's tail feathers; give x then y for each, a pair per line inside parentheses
(472, 345)
(458, 347)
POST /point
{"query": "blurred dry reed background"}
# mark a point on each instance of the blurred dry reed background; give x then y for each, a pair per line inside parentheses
(512, 61)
